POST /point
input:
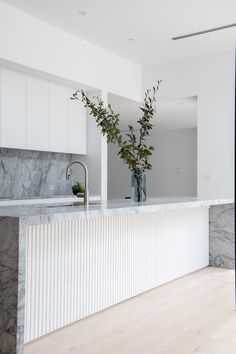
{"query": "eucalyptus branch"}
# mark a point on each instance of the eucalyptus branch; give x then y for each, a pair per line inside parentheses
(105, 117)
(133, 151)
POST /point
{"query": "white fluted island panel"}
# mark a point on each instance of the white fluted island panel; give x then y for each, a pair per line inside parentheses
(75, 268)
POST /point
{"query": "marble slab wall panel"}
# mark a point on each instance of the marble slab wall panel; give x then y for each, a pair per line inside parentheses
(28, 174)
(222, 236)
(12, 286)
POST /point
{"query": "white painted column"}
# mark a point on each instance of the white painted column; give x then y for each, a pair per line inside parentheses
(104, 164)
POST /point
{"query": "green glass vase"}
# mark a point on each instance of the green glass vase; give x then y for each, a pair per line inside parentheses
(138, 187)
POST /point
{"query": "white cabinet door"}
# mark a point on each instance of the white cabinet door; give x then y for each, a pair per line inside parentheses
(37, 114)
(58, 118)
(77, 136)
(13, 109)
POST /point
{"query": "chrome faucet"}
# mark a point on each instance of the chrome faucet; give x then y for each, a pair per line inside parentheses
(85, 194)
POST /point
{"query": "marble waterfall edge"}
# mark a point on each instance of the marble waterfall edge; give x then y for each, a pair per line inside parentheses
(12, 285)
(222, 237)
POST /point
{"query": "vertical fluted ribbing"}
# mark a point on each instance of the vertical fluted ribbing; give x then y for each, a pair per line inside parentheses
(76, 268)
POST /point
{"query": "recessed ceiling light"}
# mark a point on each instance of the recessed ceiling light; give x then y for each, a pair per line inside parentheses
(82, 13)
(131, 39)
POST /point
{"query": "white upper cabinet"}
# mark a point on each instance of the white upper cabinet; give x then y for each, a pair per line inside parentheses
(12, 109)
(77, 126)
(58, 117)
(38, 114)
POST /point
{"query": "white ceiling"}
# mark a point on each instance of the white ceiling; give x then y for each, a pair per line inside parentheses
(109, 24)
(175, 113)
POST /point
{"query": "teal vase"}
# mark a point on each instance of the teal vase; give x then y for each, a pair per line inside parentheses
(138, 187)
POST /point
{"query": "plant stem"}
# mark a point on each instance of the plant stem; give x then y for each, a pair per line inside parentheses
(133, 150)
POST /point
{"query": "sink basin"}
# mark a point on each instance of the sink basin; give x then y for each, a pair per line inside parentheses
(74, 204)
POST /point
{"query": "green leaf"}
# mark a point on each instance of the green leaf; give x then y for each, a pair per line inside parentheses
(133, 151)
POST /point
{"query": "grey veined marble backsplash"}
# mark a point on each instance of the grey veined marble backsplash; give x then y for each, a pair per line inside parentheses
(28, 174)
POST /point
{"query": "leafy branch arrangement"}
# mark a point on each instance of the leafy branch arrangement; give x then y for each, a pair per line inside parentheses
(133, 149)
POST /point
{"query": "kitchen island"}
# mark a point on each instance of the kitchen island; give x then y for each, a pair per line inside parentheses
(61, 263)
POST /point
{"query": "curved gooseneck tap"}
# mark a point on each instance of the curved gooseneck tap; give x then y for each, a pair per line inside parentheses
(68, 173)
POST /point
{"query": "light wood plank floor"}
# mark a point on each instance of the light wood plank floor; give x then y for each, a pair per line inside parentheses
(194, 314)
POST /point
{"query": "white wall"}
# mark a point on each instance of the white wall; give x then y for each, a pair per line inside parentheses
(211, 78)
(119, 180)
(174, 166)
(30, 42)
(174, 171)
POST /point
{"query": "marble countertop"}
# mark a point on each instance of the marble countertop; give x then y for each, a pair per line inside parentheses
(56, 212)
(43, 200)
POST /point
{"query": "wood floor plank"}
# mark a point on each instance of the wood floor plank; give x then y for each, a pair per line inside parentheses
(194, 314)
